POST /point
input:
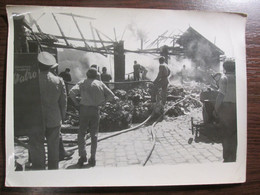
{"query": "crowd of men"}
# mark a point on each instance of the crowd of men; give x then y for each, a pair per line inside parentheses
(93, 94)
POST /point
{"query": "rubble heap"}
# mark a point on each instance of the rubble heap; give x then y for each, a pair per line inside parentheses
(134, 106)
(185, 106)
(116, 116)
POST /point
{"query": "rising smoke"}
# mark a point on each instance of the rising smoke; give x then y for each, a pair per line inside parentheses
(79, 62)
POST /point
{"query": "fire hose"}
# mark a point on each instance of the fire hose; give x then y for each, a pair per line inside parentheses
(153, 125)
(138, 126)
(116, 133)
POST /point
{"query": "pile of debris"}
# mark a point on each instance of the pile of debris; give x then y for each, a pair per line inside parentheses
(178, 93)
(116, 116)
(134, 106)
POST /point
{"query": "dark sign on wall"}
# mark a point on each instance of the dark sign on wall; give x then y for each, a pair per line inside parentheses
(27, 99)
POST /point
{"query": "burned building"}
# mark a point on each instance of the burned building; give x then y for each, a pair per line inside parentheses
(203, 53)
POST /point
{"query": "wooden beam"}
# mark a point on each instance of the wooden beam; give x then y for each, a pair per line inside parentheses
(79, 16)
(80, 39)
(81, 34)
(106, 47)
(155, 41)
(101, 40)
(104, 35)
(115, 34)
(93, 34)
(60, 29)
(77, 48)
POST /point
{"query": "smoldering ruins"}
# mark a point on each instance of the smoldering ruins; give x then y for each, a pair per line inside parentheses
(191, 57)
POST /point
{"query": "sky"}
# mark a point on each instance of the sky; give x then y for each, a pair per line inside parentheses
(131, 24)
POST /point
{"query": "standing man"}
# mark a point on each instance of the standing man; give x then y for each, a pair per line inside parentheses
(93, 94)
(225, 109)
(137, 70)
(54, 105)
(98, 74)
(144, 72)
(66, 77)
(161, 81)
(105, 77)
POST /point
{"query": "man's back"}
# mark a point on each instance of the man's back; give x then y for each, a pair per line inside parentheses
(53, 99)
(137, 67)
(92, 92)
(163, 74)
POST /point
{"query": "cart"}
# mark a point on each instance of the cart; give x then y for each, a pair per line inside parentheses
(210, 122)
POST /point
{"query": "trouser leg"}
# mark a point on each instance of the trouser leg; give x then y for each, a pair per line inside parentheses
(154, 92)
(230, 148)
(82, 142)
(36, 148)
(52, 137)
(94, 128)
(93, 146)
(83, 126)
(164, 94)
(227, 116)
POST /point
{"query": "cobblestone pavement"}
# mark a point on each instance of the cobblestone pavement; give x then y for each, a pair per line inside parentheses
(174, 145)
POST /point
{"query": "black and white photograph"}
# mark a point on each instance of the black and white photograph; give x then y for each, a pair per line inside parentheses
(125, 97)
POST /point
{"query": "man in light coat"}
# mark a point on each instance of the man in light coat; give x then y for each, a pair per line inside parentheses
(54, 105)
(93, 94)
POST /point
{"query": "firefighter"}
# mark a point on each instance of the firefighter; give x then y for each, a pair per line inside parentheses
(161, 82)
(137, 70)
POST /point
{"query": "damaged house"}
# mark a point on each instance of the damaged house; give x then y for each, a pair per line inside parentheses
(205, 55)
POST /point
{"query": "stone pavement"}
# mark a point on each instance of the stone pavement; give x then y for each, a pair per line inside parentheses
(172, 147)
(132, 148)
